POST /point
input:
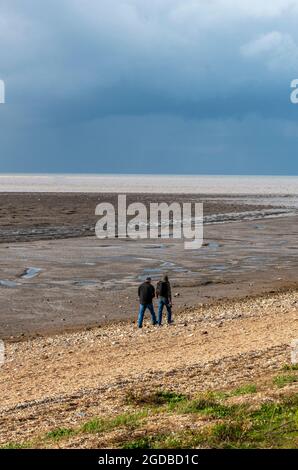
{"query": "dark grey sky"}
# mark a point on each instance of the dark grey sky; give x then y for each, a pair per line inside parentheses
(167, 86)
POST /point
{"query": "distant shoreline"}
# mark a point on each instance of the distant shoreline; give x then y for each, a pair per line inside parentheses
(139, 183)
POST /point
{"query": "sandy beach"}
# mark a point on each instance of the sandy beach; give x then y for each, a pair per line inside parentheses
(61, 382)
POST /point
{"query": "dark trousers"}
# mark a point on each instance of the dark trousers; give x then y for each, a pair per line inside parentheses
(164, 302)
(142, 310)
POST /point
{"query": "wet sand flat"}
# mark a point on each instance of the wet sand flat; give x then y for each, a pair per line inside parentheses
(46, 216)
(49, 286)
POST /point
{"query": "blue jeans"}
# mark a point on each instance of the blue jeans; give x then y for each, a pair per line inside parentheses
(142, 313)
(164, 302)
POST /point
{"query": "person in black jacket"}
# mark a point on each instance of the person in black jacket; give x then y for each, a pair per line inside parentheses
(163, 292)
(146, 294)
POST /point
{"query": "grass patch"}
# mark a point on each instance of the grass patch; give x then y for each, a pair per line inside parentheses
(158, 398)
(289, 367)
(218, 424)
(219, 395)
(94, 426)
(228, 432)
(197, 406)
(291, 401)
(271, 425)
(141, 443)
(171, 397)
(16, 445)
(128, 420)
(98, 425)
(210, 407)
(244, 390)
(60, 433)
(276, 424)
(283, 380)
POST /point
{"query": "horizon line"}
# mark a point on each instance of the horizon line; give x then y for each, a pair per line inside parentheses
(88, 174)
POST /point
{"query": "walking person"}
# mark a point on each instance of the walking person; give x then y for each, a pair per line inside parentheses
(146, 294)
(164, 294)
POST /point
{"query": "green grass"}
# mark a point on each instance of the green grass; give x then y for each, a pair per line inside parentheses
(158, 398)
(244, 390)
(272, 425)
(275, 424)
(171, 397)
(128, 420)
(228, 432)
(94, 426)
(16, 445)
(208, 407)
(59, 433)
(283, 380)
(288, 367)
(214, 423)
(141, 443)
(98, 425)
(291, 401)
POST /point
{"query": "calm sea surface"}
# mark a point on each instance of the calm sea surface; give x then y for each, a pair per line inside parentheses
(279, 191)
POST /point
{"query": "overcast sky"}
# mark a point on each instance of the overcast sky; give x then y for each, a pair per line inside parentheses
(166, 86)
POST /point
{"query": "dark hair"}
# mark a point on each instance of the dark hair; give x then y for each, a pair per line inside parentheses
(148, 279)
(165, 278)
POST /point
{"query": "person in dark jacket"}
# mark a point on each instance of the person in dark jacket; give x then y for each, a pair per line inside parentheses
(164, 294)
(146, 294)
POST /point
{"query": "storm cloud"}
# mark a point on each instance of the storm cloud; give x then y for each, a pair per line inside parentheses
(175, 86)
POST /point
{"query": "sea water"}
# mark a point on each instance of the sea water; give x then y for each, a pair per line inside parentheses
(277, 191)
(228, 185)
